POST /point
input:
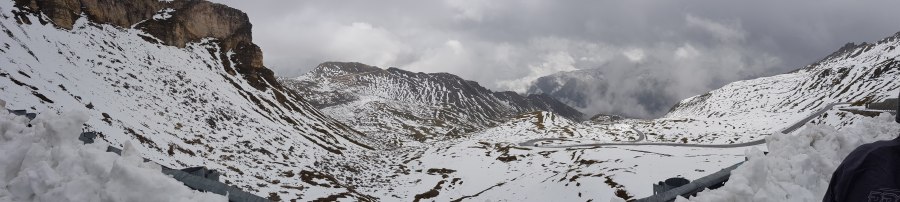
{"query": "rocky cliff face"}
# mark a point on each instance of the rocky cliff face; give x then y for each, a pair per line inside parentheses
(424, 106)
(860, 74)
(191, 92)
(173, 23)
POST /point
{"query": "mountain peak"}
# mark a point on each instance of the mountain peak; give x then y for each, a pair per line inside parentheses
(427, 105)
(331, 69)
(174, 23)
(852, 50)
(854, 73)
(211, 103)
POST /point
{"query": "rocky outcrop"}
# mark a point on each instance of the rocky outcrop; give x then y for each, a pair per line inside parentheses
(174, 23)
(854, 73)
(432, 88)
(423, 106)
(64, 13)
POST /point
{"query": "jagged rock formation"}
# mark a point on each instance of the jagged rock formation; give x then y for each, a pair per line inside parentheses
(755, 108)
(740, 112)
(187, 90)
(174, 23)
(423, 105)
(182, 81)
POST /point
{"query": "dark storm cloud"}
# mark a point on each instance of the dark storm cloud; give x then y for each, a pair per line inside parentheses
(690, 46)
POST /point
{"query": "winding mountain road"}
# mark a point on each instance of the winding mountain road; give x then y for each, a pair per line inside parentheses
(642, 137)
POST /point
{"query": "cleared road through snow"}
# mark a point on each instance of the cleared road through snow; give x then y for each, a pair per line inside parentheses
(642, 136)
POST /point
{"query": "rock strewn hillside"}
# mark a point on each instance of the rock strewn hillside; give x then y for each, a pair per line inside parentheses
(422, 105)
(174, 23)
(855, 73)
(192, 92)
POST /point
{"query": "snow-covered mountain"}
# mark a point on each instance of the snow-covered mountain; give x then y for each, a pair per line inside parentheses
(858, 74)
(493, 164)
(181, 80)
(424, 106)
(574, 87)
(751, 109)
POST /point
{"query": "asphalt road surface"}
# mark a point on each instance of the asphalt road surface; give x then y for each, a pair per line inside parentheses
(642, 137)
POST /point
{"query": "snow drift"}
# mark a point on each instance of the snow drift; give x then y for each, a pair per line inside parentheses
(43, 161)
(799, 167)
(180, 105)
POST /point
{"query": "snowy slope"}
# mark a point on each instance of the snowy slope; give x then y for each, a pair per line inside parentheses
(207, 103)
(424, 106)
(855, 73)
(181, 106)
(749, 110)
(798, 168)
(491, 165)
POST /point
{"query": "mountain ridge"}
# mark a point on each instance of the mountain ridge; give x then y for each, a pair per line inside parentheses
(424, 104)
(198, 104)
(866, 71)
(207, 103)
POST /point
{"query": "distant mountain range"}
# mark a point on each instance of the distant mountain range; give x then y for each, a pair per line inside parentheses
(423, 106)
(183, 81)
(860, 73)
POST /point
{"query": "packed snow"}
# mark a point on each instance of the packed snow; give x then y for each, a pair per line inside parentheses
(180, 107)
(799, 167)
(44, 161)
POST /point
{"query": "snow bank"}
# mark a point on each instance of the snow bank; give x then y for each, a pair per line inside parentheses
(799, 167)
(46, 162)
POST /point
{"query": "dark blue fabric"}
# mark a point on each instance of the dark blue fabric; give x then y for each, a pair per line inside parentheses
(871, 173)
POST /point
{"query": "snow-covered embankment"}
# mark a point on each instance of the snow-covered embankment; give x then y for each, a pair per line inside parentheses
(798, 167)
(42, 160)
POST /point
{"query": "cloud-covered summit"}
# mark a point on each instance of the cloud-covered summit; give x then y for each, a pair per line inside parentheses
(693, 45)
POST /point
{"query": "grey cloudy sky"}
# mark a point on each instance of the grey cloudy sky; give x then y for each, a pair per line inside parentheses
(692, 45)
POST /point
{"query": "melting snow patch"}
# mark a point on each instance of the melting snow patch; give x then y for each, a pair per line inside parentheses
(163, 14)
(45, 162)
(799, 167)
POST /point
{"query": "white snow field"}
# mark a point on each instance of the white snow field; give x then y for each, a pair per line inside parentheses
(799, 167)
(491, 165)
(43, 160)
(180, 107)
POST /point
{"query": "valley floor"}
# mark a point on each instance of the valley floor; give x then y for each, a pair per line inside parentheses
(537, 158)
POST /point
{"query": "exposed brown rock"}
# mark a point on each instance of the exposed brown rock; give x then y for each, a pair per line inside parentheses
(123, 13)
(195, 20)
(192, 21)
